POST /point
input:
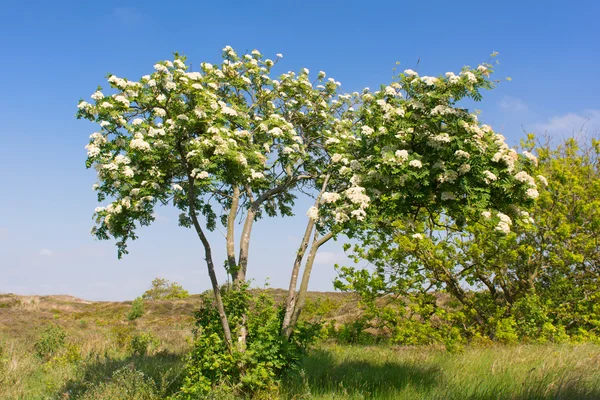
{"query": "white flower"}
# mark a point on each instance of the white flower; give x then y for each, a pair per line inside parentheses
(464, 168)
(356, 195)
(256, 175)
(84, 104)
(329, 197)
(137, 121)
(429, 80)
(366, 130)
(123, 100)
(95, 186)
(97, 95)
(504, 218)
(415, 163)
(313, 213)
(229, 111)
(128, 172)
(92, 150)
(543, 179)
(503, 227)
(139, 144)
(532, 193)
(410, 72)
(170, 86)
(198, 174)
(401, 155)
(525, 178)
(486, 214)
(462, 154)
(531, 157)
(276, 132)
(160, 68)
(104, 123)
(417, 236)
(160, 112)
(177, 187)
(336, 158)
(489, 177)
(279, 55)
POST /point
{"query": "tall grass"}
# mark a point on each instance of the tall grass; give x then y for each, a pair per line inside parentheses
(499, 372)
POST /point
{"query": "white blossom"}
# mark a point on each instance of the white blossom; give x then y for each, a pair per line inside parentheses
(417, 236)
(543, 179)
(329, 197)
(313, 213)
(489, 176)
(531, 157)
(532, 193)
(98, 95)
(415, 163)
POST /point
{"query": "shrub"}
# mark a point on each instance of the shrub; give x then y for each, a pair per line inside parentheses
(143, 344)
(162, 289)
(122, 334)
(255, 369)
(50, 341)
(125, 383)
(137, 309)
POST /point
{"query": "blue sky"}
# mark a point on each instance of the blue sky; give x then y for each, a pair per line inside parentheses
(55, 53)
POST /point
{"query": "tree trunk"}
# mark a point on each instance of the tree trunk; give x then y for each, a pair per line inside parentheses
(317, 243)
(213, 277)
(291, 297)
(231, 232)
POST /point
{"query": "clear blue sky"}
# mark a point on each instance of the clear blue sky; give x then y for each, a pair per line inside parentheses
(54, 53)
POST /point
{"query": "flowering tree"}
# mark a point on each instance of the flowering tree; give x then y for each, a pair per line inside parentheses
(230, 141)
(414, 156)
(225, 141)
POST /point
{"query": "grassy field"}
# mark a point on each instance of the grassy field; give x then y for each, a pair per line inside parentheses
(105, 356)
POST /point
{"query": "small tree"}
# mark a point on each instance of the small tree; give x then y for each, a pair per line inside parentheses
(162, 289)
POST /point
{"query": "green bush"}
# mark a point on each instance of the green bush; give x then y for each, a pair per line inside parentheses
(137, 309)
(258, 368)
(50, 341)
(125, 383)
(143, 344)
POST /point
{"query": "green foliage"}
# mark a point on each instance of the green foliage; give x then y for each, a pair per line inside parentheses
(543, 273)
(144, 343)
(125, 383)
(122, 335)
(254, 368)
(137, 309)
(506, 330)
(51, 340)
(162, 289)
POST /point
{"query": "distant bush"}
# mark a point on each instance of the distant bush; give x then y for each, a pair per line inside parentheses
(50, 341)
(162, 289)
(137, 309)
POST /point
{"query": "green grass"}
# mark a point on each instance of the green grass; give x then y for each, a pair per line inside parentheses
(499, 372)
(97, 361)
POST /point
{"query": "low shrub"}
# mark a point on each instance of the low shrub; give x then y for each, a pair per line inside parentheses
(50, 341)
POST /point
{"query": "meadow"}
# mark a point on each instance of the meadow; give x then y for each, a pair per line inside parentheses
(59, 347)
